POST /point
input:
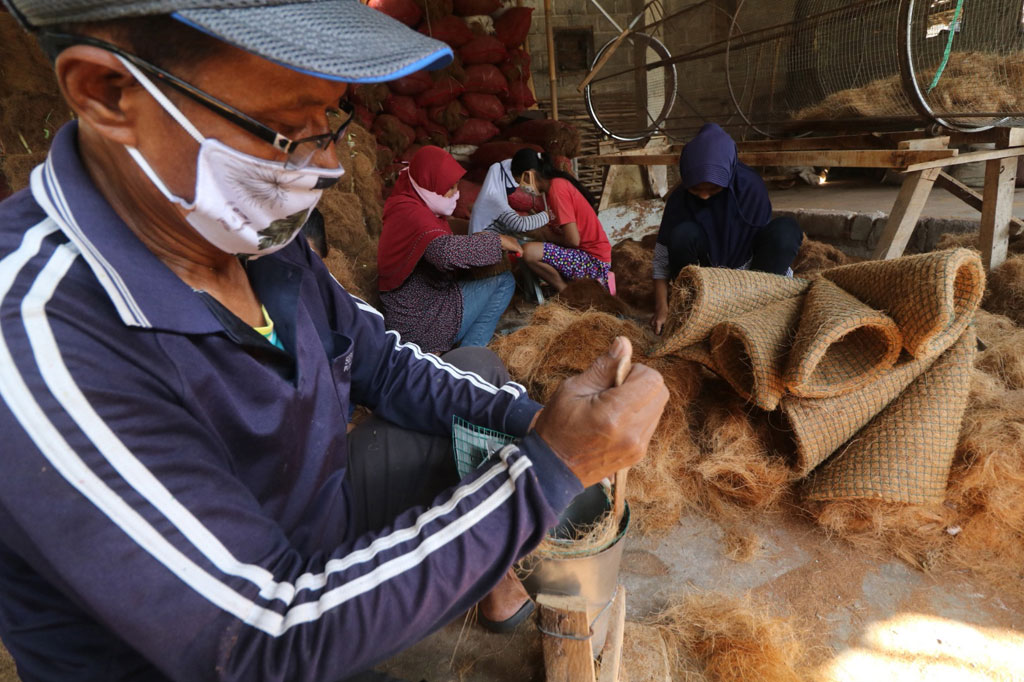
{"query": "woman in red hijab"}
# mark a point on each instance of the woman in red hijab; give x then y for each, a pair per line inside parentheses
(419, 261)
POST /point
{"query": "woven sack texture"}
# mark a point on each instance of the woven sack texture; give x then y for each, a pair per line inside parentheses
(703, 297)
(927, 295)
(841, 344)
(820, 425)
(904, 454)
(750, 350)
(700, 353)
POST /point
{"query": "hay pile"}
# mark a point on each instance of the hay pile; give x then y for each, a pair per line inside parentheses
(589, 294)
(971, 83)
(718, 638)
(706, 454)
(631, 263)
(1005, 294)
(352, 215)
(817, 256)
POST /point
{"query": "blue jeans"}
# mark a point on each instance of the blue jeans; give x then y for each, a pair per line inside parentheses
(483, 302)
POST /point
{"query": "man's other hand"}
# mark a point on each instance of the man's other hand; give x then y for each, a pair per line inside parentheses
(597, 428)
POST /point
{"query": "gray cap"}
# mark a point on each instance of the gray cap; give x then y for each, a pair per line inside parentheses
(337, 39)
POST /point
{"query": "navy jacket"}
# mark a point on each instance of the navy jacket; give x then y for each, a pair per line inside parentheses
(173, 499)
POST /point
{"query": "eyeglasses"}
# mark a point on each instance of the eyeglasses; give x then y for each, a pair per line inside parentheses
(300, 152)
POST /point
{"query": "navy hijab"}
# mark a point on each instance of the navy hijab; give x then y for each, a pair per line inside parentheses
(729, 219)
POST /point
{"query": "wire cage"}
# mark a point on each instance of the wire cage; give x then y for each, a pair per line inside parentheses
(783, 67)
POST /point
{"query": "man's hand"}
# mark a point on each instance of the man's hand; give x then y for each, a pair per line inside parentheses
(596, 428)
(510, 244)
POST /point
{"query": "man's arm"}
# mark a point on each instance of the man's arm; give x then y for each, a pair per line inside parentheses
(120, 492)
(408, 387)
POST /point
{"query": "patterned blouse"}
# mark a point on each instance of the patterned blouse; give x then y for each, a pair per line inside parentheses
(427, 308)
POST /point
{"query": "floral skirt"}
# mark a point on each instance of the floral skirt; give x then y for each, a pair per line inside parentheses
(575, 263)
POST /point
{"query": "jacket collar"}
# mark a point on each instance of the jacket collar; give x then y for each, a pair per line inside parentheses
(142, 289)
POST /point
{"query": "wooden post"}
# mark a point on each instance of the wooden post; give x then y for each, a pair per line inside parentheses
(972, 198)
(568, 656)
(611, 654)
(551, 59)
(905, 212)
(997, 210)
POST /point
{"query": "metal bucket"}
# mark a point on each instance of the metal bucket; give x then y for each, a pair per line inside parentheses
(593, 576)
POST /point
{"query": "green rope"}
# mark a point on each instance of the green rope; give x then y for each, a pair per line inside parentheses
(949, 45)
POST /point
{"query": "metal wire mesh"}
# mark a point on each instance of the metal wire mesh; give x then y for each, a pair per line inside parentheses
(473, 444)
(781, 67)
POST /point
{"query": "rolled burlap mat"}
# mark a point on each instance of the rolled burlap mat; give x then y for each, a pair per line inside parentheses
(905, 452)
(750, 350)
(703, 297)
(928, 296)
(841, 344)
(821, 425)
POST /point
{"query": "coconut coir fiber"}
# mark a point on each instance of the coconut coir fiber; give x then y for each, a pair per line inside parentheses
(722, 638)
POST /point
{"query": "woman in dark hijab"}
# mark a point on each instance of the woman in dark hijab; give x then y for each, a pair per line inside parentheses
(719, 216)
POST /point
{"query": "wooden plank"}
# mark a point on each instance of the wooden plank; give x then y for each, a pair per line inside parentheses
(553, 79)
(997, 210)
(854, 158)
(609, 186)
(971, 198)
(611, 653)
(567, 652)
(1001, 137)
(925, 143)
(603, 60)
(969, 157)
(859, 141)
(905, 212)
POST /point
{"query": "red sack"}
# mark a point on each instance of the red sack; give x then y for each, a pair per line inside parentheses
(493, 152)
(413, 84)
(485, 78)
(404, 108)
(512, 27)
(561, 163)
(450, 29)
(557, 137)
(440, 93)
(487, 107)
(371, 96)
(406, 11)
(519, 96)
(392, 133)
(434, 134)
(475, 131)
(385, 157)
(409, 152)
(468, 8)
(468, 192)
(452, 116)
(525, 203)
(483, 50)
(435, 9)
(364, 116)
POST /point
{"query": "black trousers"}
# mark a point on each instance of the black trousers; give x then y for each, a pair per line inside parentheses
(773, 250)
(392, 469)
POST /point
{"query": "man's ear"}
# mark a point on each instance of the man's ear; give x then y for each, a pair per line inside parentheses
(101, 91)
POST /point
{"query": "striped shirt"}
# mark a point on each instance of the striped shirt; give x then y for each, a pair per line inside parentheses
(173, 498)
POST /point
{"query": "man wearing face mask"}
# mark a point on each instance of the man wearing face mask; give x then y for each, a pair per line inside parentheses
(422, 267)
(179, 498)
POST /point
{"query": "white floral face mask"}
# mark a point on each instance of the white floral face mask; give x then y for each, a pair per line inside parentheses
(243, 204)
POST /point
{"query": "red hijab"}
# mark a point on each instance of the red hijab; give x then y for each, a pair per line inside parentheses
(409, 226)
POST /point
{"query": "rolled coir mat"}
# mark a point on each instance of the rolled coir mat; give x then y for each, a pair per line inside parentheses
(841, 344)
(703, 297)
(750, 350)
(905, 452)
(931, 297)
